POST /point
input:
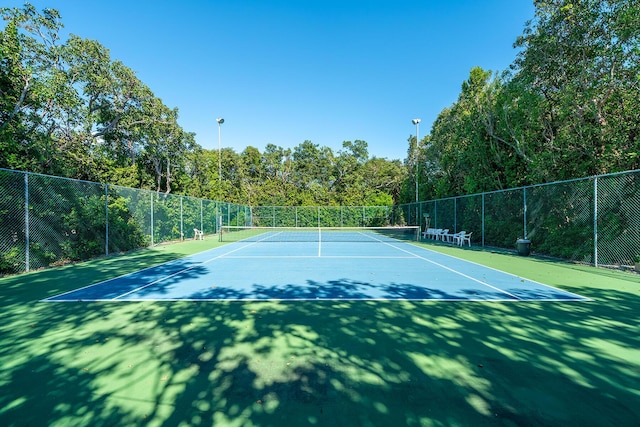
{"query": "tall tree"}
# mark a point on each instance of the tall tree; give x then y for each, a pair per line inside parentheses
(30, 75)
(582, 58)
(569, 106)
(312, 173)
(69, 110)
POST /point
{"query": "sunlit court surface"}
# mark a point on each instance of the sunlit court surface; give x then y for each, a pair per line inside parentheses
(319, 264)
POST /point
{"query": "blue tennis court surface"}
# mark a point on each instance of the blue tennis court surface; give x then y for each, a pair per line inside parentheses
(327, 270)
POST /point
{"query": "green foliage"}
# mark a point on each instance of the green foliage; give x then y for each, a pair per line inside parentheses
(12, 261)
(86, 112)
(124, 231)
(84, 227)
(569, 107)
(90, 117)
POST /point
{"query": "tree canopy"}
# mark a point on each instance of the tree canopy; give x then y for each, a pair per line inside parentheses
(569, 106)
(68, 109)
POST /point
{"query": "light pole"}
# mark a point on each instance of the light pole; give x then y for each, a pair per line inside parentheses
(220, 122)
(417, 123)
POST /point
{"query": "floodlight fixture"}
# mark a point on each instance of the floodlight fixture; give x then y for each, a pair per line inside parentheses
(220, 121)
(417, 123)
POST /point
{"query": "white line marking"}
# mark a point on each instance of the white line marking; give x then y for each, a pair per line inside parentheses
(412, 256)
(181, 271)
(133, 273)
(507, 273)
(428, 300)
(314, 256)
(451, 270)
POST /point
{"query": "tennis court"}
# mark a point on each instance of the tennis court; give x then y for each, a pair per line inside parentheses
(319, 264)
(335, 360)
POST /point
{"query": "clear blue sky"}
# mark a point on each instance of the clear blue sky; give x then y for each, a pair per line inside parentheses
(283, 72)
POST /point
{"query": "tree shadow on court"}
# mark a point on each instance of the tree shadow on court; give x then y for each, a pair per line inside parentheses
(350, 289)
(402, 363)
(323, 362)
(47, 283)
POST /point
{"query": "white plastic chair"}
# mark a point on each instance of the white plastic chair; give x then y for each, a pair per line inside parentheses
(453, 238)
(464, 237)
(198, 234)
(428, 233)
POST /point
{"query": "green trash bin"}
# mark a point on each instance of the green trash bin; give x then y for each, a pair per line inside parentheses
(523, 247)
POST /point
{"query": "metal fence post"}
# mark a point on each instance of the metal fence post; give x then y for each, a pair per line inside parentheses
(524, 201)
(483, 220)
(435, 214)
(182, 221)
(455, 214)
(217, 214)
(595, 221)
(151, 192)
(26, 220)
(106, 216)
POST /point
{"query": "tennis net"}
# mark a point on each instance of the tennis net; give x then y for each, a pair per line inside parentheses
(319, 234)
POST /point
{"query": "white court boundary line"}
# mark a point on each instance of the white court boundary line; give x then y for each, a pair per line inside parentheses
(580, 297)
(451, 270)
(412, 255)
(480, 265)
(145, 269)
(182, 271)
(315, 256)
(253, 299)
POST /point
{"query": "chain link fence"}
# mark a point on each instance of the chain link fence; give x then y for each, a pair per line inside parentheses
(322, 216)
(593, 220)
(48, 221)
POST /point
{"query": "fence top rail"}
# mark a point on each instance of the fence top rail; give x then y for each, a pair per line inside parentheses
(320, 206)
(50, 176)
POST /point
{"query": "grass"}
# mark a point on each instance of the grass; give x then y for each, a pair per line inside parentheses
(364, 363)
